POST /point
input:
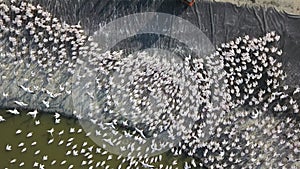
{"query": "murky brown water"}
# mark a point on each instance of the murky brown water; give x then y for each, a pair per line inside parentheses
(53, 151)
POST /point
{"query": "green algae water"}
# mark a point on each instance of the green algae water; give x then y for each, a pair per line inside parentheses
(33, 146)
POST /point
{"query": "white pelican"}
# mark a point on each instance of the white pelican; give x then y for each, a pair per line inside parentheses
(56, 115)
(26, 89)
(2, 119)
(145, 165)
(51, 141)
(74, 147)
(70, 139)
(83, 163)
(23, 150)
(60, 142)
(45, 158)
(75, 152)
(14, 111)
(18, 131)
(35, 164)
(72, 130)
(63, 162)
(57, 121)
(61, 132)
(53, 162)
(21, 164)
(41, 166)
(46, 103)
(84, 144)
(68, 152)
(22, 104)
(21, 144)
(51, 131)
(37, 122)
(37, 152)
(13, 161)
(29, 134)
(8, 147)
(5, 94)
(33, 113)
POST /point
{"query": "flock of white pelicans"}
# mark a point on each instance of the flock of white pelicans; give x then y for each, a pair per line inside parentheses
(227, 110)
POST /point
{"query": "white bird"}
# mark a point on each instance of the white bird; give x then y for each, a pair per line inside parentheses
(61, 132)
(110, 124)
(109, 157)
(13, 161)
(41, 166)
(2, 119)
(145, 165)
(68, 144)
(21, 164)
(51, 131)
(68, 91)
(193, 162)
(187, 166)
(23, 150)
(84, 144)
(75, 153)
(56, 115)
(53, 162)
(91, 161)
(14, 111)
(21, 103)
(91, 148)
(94, 121)
(33, 113)
(18, 131)
(279, 52)
(26, 89)
(45, 158)
(37, 122)
(37, 152)
(63, 162)
(51, 141)
(109, 141)
(5, 94)
(60, 142)
(57, 121)
(8, 147)
(21, 144)
(141, 132)
(68, 152)
(72, 130)
(297, 90)
(88, 134)
(29, 134)
(97, 164)
(255, 114)
(61, 88)
(46, 103)
(83, 163)
(98, 150)
(33, 143)
(98, 133)
(70, 139)
(35, 164)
